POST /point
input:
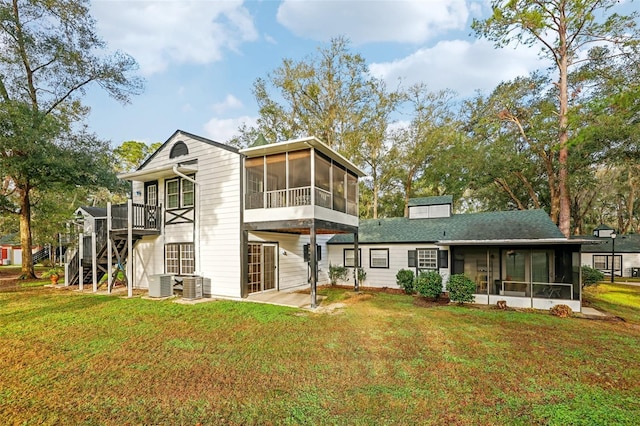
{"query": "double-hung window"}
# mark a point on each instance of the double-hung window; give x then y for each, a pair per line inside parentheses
(180, 259)
(180, 192)
(379, 258)
(427, 258)
(349, 258)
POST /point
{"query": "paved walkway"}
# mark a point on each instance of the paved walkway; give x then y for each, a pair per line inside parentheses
(284, 298)
(593, 313)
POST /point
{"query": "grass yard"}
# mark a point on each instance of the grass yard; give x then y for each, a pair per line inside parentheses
(617, 299)
(71, 358)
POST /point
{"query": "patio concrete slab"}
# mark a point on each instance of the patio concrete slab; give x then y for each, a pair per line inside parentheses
(282, 298)
(593, 313)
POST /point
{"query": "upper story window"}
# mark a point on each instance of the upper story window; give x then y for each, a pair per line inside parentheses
(179, 192)
(179, 149)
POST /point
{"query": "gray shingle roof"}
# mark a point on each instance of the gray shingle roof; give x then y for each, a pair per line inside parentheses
(521, 224)
(95, 211)
(624, 244)
(431, 201)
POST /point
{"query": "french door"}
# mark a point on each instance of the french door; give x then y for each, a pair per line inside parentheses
(262, 267)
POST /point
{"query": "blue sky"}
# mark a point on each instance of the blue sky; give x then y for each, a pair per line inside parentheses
(200, 58)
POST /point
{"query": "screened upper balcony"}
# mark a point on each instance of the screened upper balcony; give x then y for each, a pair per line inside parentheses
(304, 172)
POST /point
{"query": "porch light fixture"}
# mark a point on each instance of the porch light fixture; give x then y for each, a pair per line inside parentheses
(613, 254)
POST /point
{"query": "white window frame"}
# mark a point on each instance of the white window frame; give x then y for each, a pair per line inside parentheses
(349, 260)
(175, 194)
(152, 194)
(182, 184)
(376, 255)
(427, 259)
(180, 258)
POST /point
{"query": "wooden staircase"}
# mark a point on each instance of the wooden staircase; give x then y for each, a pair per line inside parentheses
(121, 250)
(132, 219)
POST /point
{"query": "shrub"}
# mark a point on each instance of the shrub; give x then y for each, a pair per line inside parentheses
(362, 275)
(338, 273)
(429, 284)
(461, 288)
(405, 280)
(562, 311)
(591, 276)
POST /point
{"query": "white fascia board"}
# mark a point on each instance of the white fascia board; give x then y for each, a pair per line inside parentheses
(146, 175)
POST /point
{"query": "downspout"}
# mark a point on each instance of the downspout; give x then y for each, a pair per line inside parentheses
(196, 217)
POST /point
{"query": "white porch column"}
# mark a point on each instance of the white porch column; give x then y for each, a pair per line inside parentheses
(80, 254)
(109, 249)
(129, 248)
(94, 262)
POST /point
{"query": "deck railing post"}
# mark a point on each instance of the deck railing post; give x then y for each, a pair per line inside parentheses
(109, 249)
(94, 262)
(80, 255)
(129, 248)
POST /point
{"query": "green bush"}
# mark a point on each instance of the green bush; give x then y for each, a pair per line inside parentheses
(429, 284)
(338, 273)
(591, 276)
(405, 280)
(461, 288)
(362, 275)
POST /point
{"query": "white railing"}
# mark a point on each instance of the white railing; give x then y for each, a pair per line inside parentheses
(276, 198)
(300, 196)
(538, 289)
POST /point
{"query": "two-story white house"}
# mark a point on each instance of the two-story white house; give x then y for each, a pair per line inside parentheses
(245, 221)
(238, 218)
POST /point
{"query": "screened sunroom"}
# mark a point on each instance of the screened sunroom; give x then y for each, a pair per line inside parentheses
(297, 179)
(535, 275)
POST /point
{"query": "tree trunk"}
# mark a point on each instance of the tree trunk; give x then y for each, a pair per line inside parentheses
(564, 214)
(28, 272)
(407, 191)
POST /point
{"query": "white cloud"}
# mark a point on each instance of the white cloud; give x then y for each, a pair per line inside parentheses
(462, 66)
(222, 130)
(230, 102)
(157, 33)
(373, 21)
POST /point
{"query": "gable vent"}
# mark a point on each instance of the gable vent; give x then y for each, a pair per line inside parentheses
(179, 149)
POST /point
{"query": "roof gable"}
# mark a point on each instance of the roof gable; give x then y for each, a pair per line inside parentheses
(174, 138)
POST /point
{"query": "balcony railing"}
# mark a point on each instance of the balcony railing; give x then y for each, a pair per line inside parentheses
(301, 196)
(144, 217)
(539, 289)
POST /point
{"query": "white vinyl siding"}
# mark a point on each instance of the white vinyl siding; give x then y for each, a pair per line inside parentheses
(216, 209)
(380, 277)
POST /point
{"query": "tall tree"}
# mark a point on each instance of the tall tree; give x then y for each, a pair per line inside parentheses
(433, 128)
(564, 30)
(50, 55)
(130, 154)
(330, 95)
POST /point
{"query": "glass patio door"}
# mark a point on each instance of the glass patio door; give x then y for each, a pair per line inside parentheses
(269, 266)
(262, 267)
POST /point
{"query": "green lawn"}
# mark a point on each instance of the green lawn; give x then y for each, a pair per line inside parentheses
(617, 299)
(71, 358)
